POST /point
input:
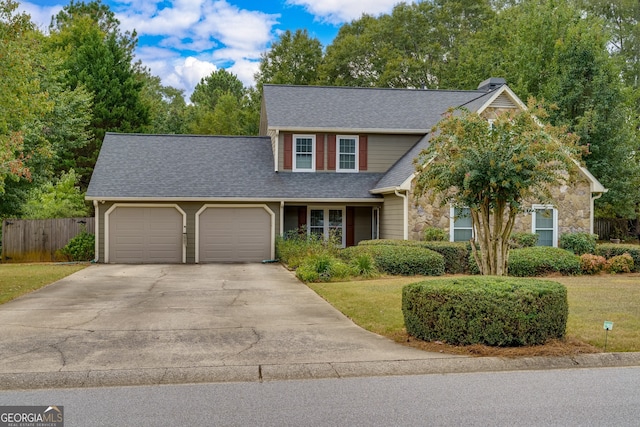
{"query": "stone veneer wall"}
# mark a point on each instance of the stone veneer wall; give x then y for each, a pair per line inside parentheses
(572, 202)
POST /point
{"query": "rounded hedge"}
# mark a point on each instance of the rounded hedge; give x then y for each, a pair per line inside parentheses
(542, 260)
(407, 260)
(496, 311)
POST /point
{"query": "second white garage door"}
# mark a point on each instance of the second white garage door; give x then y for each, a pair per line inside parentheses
(234, 234)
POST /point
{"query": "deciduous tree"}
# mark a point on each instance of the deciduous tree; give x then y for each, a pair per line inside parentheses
(494, 169)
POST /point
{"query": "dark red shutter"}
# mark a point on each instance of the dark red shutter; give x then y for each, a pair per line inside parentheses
(350, 237)
(320, 152)
(302, 216)
(362, 152)
(288, 151)
(331, 152)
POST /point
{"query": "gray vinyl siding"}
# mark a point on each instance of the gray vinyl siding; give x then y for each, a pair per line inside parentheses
(385, 150)
(392, 218)
(190, 208)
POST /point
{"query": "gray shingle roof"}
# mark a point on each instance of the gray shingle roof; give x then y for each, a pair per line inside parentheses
(188, 166)
(324, 107)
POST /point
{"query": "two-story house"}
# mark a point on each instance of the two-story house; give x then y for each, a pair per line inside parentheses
(331, 160)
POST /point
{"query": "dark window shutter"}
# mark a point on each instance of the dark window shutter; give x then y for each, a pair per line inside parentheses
(302, 216)
(331, 152)
(363, 143)
(350, 233)
(320, 152)
(288, 151)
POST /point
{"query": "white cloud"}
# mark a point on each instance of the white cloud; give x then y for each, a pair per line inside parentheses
(40, 15)
(340, 11)
(187, 74)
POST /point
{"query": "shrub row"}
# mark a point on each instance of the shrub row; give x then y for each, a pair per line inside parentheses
(456, 254)
(542, 260)
(400, 259)
(497, 311)
(610, 250)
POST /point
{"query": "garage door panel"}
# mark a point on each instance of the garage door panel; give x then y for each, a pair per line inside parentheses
(145, 235)
(234, 234)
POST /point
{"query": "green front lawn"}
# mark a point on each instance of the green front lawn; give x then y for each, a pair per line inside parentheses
(376, 306)
(20, 279)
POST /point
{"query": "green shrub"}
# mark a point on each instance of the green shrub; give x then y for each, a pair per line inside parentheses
(609, 250)
(408, 261)
(523, 240)
(592, 264)
(322, 268)
(620, 264)
(364, 265)
(296, 245)
(541, 260)
(496, 311)
(81, 248)
(432, 234)
(579, 243)
(456, 254)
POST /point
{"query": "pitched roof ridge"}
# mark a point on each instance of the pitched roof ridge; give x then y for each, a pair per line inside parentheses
(186, 135)
(378, 88)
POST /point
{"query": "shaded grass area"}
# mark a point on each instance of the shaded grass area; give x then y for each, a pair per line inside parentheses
(20, 279)
(376, 306)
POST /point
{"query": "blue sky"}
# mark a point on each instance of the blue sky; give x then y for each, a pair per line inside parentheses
(182, 41)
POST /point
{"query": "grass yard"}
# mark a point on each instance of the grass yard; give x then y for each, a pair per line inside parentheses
(376, 306)
(20, 279)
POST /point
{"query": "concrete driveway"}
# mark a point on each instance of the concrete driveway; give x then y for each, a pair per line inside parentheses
(153, 324)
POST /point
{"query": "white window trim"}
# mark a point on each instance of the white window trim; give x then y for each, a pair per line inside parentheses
(326, 210)
(555, 221)
(452, 214)
(357, 153)
(295, 153)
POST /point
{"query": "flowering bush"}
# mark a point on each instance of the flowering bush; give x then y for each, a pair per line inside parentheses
(592, 264)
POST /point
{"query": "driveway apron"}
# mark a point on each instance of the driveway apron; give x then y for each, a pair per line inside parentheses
(135, 317)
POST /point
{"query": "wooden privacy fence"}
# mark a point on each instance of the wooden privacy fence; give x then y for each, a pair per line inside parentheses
(607, 228)
(37, 240)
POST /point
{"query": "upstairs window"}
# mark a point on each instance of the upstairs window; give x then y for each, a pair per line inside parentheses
(303, 156)
(347, 153)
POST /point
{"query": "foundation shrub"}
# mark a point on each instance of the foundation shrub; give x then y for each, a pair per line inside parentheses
(523, 240)
(609, 250)
(579, 243)
(456, 254)
(542, 260)
(496, 311)
(432, 234)
(322, 268)
(407, 258)
(592, 264)
(82, 247)
(620, 264)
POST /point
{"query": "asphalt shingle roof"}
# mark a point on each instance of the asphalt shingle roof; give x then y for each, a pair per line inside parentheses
(328, 107)
(188, 166)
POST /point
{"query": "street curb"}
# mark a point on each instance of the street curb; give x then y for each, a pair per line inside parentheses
(302, 371)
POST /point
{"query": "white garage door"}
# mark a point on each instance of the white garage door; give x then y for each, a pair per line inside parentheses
(145, 235)
(237, 234)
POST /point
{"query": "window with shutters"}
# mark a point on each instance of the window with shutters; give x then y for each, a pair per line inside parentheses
(304, 147)
(347, 153)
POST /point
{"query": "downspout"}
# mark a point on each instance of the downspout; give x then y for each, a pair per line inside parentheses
(405, 214)
(282, 218)
(276, 153)
(593, 199)
(97, 231)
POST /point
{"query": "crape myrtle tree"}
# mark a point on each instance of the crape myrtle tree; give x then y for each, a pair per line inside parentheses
(494, 169)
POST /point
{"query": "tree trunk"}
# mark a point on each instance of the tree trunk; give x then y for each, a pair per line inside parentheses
(493, 234)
